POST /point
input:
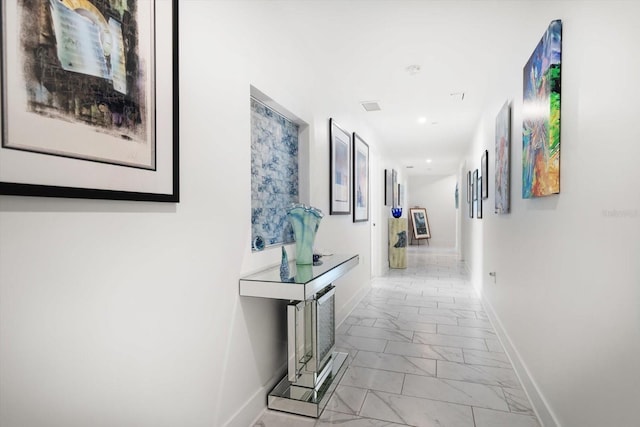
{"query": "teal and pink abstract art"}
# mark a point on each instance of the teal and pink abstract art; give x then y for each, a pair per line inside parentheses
(541, 116)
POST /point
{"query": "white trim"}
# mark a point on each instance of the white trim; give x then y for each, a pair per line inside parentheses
(540, 405)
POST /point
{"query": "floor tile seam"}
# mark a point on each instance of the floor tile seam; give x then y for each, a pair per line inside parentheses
(529, 408)
(509, 412)
(458, 403)
(381, 329)
(459, 336)
(428, 375)
(380, 419)
(424, 398)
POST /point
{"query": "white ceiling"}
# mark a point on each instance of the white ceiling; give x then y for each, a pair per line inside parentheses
(363, 49)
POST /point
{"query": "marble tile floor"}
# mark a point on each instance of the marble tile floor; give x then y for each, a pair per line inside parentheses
(422, 353)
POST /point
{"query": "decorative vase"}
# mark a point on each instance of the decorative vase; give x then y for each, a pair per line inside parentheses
(305, 221)
(284, 266)
(396, 212)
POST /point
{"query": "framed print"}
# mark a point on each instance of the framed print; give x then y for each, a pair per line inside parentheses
(479, 201)
(394, 186)
(541, 116)
(470, 194)
(420, 223)
(360, 179)
(339, 170)
(90, 99)
(388, 190)
(503, 160)
(484, 164)
(400, 195)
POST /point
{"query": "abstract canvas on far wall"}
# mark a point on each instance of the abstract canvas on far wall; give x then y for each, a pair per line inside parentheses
(541, 116)
(503, 148)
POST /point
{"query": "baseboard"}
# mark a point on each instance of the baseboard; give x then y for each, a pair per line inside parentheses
(347, 308)
(540, 405)
(249, 413)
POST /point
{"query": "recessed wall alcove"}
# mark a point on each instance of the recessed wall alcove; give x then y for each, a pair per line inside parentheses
(279, 169)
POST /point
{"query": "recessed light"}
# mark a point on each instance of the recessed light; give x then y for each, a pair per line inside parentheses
(422, 120)
(428, 160)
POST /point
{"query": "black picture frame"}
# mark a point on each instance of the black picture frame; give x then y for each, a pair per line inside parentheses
(25, 172)
(339, 170)
(484, 164)
(479, 201)
(360, 179)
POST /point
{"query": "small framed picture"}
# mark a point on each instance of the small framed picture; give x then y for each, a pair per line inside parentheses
(485, 174)
(360, 179)
(479, 201)
(339, 170)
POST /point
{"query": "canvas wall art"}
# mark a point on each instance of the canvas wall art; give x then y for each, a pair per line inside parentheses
(89, 95)
(541, 116)
(339, 170)
(274, 175)
(360, 179)
(503, 159)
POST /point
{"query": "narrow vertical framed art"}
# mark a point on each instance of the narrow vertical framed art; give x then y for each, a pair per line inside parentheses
(90, 99)
(360, 179)
(339, 170)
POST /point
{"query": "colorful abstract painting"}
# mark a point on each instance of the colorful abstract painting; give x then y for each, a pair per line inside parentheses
(503, 156)
(541, 116)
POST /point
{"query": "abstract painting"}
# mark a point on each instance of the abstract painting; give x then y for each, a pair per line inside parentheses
(339, 170)
(360, 179)
(541, 116)
(274, 175)
(503, 158)
(88, 90)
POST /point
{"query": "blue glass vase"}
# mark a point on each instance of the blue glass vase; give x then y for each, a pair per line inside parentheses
(305, 221)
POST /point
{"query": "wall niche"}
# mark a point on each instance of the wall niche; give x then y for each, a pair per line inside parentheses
(275, 170)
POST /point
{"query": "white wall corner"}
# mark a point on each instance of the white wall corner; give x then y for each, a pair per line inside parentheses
(540, 405)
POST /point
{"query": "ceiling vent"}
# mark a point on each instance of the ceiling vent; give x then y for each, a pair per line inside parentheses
(371, 105)
(457, 95)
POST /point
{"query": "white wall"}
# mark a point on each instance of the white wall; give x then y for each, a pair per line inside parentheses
(128, 314)
(567, 291)
(436, 194)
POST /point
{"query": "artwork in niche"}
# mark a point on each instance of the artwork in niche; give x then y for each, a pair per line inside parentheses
(388, 190)
(541, 117)
(394, 186)
(479, 200)
(420, 223)
(503, 159)
(83, 115)
(274, 174)
(484, 164)
(340, 186)
(360, 179)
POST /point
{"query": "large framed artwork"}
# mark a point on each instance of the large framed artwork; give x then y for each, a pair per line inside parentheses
(484, 165)
(541, 116)
(503, 160)
(360, 179)
(388, 191)
(394, 185)
(340, 185)
(420, 223)
(90, 99)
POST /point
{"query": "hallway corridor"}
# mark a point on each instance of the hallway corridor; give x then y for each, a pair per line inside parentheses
(422, 353)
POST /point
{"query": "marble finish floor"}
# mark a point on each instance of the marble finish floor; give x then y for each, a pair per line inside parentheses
(422, 353)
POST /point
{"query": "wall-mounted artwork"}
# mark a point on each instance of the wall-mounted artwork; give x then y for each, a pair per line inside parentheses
(274, 175)
(484, 165)
(470, 193)
(90, 99)
(339, 170)
(479, 200)
(388, 190)
(474, 183)
(503, 160)
(360, 179)
(541, 116)
(394, 185)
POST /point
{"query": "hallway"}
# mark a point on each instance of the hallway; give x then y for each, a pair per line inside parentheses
(422, 353)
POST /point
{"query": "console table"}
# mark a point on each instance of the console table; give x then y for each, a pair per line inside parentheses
(314, 368)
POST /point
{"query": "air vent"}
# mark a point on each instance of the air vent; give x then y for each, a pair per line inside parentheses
(409, 167)
(457, 95)
(371, 106)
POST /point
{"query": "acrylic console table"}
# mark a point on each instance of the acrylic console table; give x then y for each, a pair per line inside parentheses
(314, 368)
